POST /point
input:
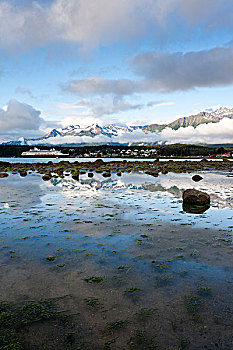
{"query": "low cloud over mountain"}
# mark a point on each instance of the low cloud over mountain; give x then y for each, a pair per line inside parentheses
(205, 127)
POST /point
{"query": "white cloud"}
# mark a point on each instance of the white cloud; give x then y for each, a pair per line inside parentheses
(19, 116)
(161, 104)
(82, 121)
(212, 133)
(94, 23)
(91, 111)
(107, 106)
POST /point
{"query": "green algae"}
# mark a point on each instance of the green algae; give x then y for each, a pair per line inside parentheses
(50, 258)
(94, 279)
(15, 320)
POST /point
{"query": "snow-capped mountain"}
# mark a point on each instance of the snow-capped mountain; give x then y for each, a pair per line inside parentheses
(91, 130)
(205, 117)
(95, 133)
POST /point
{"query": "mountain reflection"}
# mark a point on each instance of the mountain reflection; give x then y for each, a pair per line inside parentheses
(219, 186)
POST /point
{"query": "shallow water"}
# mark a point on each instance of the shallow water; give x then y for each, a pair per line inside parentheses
(165, 275)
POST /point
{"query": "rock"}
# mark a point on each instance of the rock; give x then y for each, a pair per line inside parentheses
(119, 173)
(3, 174)
(106, 174)
(23, 173)
(195, 209)
(90, 174)
(4, 164)
(152, 173)
(99, 162)
(197, 178)
(75, 176)
(46, 177)
(195, 197)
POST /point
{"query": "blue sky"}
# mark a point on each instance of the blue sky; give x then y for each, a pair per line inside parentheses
(127, 61)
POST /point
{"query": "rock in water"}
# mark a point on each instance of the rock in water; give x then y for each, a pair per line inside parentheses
(195, 197)
(75, 176)
(46, 177)
(3, 174)
(23, 173)
(197, 178)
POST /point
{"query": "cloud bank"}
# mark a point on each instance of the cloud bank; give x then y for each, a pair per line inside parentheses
(164, 72)
(213, 133)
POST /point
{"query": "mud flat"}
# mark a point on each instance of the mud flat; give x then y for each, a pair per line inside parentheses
(114, 262)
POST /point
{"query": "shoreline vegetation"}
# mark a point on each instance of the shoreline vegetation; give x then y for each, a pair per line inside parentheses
(124, 151)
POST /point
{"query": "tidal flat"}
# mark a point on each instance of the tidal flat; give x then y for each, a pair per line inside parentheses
(114, 262)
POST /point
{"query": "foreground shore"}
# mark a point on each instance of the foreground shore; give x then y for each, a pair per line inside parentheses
(109, 268)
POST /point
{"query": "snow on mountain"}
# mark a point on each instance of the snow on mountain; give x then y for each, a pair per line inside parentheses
(91, 130)
(152, 133)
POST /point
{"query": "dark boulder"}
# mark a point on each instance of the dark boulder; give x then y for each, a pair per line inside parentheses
(152, 173)
(23, 173)
(106, 174)
(195, 202)
(90, 174)
(75, 176)
(197, 178)
(46, 177)
(3, 174)
(99, 162)
(4, 164)
(195, 197)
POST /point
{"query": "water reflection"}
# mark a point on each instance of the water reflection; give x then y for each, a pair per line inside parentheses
(134, 198)
(19, 193)
(198, 209)
(219, 186)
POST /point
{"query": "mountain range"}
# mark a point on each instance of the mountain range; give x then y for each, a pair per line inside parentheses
(109, 132)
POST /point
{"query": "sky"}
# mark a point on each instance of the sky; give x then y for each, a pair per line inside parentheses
(133, 62)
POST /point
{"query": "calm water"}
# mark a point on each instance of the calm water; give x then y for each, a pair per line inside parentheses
(162, 271)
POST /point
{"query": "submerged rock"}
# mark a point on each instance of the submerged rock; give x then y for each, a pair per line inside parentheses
(197, 178)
